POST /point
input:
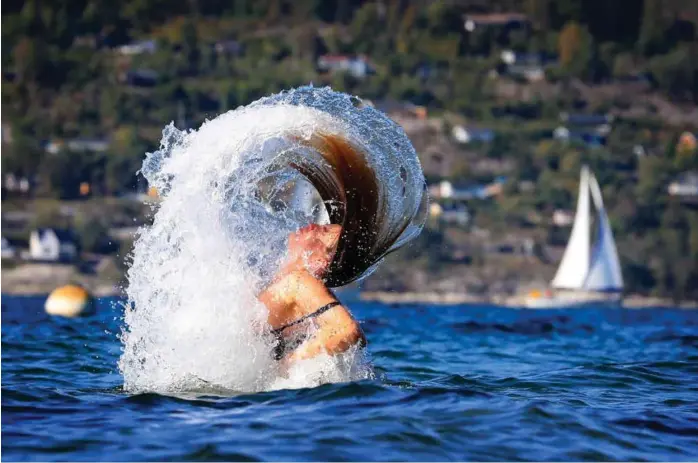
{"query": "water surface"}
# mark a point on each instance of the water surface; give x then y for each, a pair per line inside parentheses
(454, 383)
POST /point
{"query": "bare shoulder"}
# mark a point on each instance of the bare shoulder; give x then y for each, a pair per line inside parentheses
(341, 322)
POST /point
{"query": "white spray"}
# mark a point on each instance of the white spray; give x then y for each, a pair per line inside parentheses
(193, 320)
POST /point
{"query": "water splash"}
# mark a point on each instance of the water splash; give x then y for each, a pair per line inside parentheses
(231, 193)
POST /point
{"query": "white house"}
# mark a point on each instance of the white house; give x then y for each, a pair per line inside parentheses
(455, 214)
(50, 244)
(358, 67)
(8, 251)
(138, 48)
(685, 185)
(95, 145)
(563, 218)
(452, 213)
(471, 134)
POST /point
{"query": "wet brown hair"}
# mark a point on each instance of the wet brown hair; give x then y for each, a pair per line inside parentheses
(352, 194)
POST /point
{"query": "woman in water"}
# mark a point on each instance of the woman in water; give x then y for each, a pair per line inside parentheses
(298, 295)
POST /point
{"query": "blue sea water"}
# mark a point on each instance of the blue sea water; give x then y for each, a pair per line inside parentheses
(455, 383)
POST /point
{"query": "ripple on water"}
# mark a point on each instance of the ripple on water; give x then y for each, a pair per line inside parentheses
(460, 388)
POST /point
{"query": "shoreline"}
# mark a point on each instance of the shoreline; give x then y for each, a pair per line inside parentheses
(40, 279)
(631, 301)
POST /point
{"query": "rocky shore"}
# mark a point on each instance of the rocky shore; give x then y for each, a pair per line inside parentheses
(104, 280)
(632, 301)
(42, 278)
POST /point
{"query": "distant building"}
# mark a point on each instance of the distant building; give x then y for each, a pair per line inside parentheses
(589, 129)
(585, 137)
(446, 190)
(8, 250)
(229, 47)
(472, 22)
(466, 135)
(526, 66)
(514, 57)
(527, 72)
(358, 67)
(563, 218)
(95, 145)
(13, 183)
(53, 245)
(450, 213)
(685, 185)
(600, 123)
(443, 189)
(138, 48)
(140, 78)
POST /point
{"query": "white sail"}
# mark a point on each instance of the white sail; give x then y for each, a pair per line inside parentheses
(604, 273)
(573, 269)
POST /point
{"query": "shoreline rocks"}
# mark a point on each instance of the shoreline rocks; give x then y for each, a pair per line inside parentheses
(42, 278)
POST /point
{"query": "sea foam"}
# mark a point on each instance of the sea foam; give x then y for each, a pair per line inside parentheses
(230, 193)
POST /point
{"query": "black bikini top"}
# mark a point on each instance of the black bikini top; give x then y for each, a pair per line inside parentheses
(318, 312)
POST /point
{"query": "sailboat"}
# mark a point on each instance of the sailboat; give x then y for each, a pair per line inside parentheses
(588, 275)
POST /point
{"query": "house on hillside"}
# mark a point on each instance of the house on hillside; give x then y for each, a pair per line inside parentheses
(140, 78)
(685, 186)
(94, 145)
(456, 214)
(446, 190)
(466, 135)
(8, 250)
(563, 218)
(14, 184)
(508, 21)
(53, 245)
(138, 48)
(527, 66)
(357, 66)
(589, 129)
(599, 123)
(510, 57)
(590, 139)
(229, 47)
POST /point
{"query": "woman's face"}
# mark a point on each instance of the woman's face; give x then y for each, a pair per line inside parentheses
(314, 246)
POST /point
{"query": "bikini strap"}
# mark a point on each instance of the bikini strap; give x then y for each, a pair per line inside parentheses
(317, 313)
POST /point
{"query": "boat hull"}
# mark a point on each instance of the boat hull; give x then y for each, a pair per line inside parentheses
(574, 299)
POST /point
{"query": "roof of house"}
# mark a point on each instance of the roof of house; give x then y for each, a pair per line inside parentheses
(78, 144)
(144, 73)
(496, 18)
(585, 119)
(62, 234)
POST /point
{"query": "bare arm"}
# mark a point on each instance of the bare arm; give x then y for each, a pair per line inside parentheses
(338, 329)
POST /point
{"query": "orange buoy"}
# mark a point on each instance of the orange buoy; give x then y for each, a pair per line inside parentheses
(69, 301)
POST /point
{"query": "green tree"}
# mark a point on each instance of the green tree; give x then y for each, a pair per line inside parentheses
(23, 156)
(676, 73)
(576, 49)
(367, 27)
(31, 59)
(190, 44)
(652, 38)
